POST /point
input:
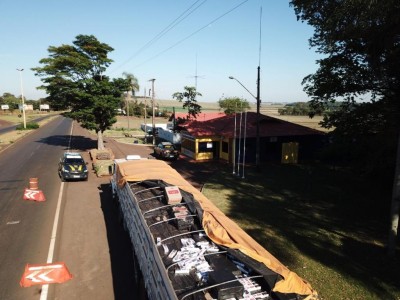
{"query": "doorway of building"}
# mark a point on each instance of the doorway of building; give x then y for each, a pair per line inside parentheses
(215, 147)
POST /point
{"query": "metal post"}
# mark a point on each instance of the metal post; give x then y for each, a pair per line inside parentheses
(257, 115)
(240, 142)
(152, 104)
(244, 142)
(234, 144)
(127, 110)
(145, 117)
(258, 121)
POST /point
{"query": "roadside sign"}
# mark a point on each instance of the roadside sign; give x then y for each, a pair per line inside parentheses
(44, 107)
(45, 274)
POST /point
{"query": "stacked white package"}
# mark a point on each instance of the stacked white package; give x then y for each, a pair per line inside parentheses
(191, 257)
(252, 290)
(173, 195)
(207, 246)
(258, 296)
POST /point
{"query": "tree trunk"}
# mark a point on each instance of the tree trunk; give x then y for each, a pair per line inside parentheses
(100, 142)
(395, 207)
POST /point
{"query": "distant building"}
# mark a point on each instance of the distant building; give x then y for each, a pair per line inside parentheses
(233, 137)
(201, 117)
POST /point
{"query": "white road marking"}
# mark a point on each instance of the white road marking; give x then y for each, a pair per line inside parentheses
(32, 276)
(31, 194)
(45, 287)
(40, 268)
(42, 276)
(13, 222)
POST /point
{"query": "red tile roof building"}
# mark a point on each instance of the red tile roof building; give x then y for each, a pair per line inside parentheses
(201, 117)
(219, 138)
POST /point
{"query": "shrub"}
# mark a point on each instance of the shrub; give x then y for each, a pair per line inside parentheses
(29, 126)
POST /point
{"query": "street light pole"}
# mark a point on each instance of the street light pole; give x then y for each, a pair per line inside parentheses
(22, 96)
(257, 115)
(258, 121)
(152, 104)
(231, 77)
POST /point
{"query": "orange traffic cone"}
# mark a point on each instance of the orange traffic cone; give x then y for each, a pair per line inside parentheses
(33, 192)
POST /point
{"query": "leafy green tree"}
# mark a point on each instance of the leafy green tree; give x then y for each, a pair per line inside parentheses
(10, 100)
(295, 109)
(133, 82)
(34, 103)
(233, 104)
(136, 108)
(188, 97)
(73, 78)
(360, 45)
(133, 87)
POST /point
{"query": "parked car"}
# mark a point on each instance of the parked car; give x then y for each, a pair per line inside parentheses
(166, 150)
(72, 167)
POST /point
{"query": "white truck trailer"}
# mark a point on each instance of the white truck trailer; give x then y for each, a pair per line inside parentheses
(186, 248)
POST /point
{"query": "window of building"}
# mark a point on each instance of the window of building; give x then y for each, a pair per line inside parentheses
(205, 147)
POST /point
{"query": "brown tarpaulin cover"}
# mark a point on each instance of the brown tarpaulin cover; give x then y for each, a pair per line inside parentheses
(218, 227)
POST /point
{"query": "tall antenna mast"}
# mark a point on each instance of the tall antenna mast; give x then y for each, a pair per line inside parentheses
(258, 103)
(195, 75)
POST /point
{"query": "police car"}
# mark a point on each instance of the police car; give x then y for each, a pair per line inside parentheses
(72, 167)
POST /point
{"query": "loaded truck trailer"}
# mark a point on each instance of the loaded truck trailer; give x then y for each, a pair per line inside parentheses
(184, 247)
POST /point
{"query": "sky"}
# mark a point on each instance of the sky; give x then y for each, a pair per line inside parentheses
(177, 42)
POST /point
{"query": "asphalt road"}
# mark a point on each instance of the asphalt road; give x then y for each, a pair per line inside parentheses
(26, 225)
(9, 128)
(89, 239)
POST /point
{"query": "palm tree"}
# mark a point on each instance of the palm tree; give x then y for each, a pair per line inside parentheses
(134, 84)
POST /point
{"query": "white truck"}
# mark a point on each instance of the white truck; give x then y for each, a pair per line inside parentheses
(186, 248)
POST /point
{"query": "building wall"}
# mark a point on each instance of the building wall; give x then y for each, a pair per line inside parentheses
(188, 146)
(225, 149)
(272, 149)
(204, 148)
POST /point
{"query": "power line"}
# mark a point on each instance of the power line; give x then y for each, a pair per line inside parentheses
(163, 32)
(192, 34)
(176, 22)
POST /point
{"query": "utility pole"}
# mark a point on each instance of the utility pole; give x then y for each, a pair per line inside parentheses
(257, 116)
(152, 104)
(258, 121)
(127, 109)
(145, 117)
(258, 102)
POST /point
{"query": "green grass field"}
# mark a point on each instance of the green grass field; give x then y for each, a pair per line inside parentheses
(266, 109)
(16, 117)
(324, 224)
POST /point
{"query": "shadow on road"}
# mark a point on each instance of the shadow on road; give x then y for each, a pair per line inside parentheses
(78, 142)
(120, 248)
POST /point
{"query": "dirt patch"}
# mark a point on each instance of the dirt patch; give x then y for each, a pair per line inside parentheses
(8, 138)
(4, 123)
